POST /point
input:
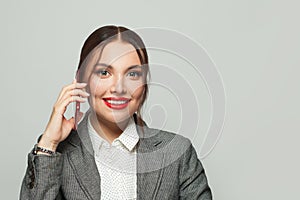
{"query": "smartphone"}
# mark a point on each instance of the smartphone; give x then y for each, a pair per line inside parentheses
(77, 105)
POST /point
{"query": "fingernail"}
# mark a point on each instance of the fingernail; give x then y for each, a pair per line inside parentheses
(87, 94)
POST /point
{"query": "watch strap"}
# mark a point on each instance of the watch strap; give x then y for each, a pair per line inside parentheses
(41, 149)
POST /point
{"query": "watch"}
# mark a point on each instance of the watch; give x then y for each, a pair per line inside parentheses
(41, 149)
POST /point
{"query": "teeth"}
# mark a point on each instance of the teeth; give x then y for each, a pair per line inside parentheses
(116, 102)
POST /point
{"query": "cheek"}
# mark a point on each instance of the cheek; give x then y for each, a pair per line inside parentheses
(135, 89)
(98, 87)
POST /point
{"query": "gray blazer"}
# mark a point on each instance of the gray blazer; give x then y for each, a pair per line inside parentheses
(167, 168)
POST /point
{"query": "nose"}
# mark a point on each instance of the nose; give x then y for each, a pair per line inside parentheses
(118, 86)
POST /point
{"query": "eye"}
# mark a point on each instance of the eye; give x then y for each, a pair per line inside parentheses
(135, 74)
(102, 73)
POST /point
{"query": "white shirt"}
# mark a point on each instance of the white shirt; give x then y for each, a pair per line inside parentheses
(116, 163)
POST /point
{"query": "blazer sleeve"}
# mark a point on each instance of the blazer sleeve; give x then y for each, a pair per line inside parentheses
(42, 179)
(193, 181)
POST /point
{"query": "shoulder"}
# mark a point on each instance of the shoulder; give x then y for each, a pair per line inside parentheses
(160, 137)
(167, 142)
(167, 137)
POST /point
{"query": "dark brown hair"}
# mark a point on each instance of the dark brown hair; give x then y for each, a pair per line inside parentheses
(106, 34)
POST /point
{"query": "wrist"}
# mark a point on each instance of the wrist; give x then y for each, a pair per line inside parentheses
(47, 143)
(40, 150)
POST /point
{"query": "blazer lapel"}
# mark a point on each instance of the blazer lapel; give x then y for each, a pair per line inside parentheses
(83, 163)
(150, 162)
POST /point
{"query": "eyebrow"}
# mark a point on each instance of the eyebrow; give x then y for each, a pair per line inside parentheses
(109, 66)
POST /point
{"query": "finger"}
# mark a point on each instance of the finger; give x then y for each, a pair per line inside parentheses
(61, 106)
(63, 89)
(71, 99)
(68, 124)
(72, 122)
(73, 93)
(71, 87)
(78, 92)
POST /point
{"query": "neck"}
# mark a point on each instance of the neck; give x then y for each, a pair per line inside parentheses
(106, 129)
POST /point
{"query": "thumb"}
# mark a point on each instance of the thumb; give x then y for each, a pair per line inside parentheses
(71, 122)
(80, 115)
(72, 119)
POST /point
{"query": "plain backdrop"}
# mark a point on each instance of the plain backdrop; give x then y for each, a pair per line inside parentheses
(254, 43)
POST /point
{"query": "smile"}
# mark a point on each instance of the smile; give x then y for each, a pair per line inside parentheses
(116, 103)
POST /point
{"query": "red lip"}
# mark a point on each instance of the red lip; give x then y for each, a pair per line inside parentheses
(117, 98)
(116, 105)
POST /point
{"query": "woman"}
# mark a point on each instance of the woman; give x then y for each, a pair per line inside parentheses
(112, 154)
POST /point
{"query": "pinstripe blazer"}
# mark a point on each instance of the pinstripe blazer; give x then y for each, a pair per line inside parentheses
(167, 168)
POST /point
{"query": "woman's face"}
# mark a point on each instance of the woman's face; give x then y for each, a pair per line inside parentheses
(116, 84)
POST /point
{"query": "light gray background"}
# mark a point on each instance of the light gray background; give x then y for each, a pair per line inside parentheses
(255, 44)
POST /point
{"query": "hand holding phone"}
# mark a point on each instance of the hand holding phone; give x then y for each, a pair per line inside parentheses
(58, 127)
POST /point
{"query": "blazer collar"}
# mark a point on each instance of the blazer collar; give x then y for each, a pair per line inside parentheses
(82, 161)
(147, 142)
(149, 162)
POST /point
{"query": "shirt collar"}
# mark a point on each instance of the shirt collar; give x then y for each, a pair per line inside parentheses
(129, 138)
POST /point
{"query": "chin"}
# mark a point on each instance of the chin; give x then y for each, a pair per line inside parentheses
(115, 116)
(118, 118)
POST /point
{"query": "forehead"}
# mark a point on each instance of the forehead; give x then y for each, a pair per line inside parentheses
(119, 52)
